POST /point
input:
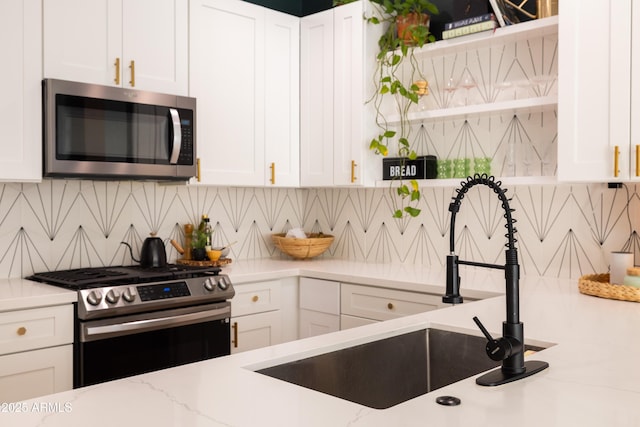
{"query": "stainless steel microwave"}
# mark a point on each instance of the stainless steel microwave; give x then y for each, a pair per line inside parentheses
(104, 132)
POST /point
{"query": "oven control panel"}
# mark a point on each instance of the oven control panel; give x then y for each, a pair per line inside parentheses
(106, 301)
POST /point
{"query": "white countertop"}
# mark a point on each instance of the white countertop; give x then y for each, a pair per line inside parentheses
(17, 294)
(593, 378)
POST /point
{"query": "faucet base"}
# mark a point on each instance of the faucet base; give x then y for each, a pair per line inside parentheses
(497, 377)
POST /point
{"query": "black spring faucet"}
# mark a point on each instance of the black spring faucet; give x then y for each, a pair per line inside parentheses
(510, 347)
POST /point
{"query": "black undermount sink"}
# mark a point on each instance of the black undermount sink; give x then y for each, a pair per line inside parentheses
(383, 373)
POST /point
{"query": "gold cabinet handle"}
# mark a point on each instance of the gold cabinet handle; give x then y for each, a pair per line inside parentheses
(616, 155)
(198, 176)
(353, 171)
(117, 65)
(21, 331)
(132, 66)
(235, 334)
(273, 173)
(255, 298)
(390, 306)
(637, 160)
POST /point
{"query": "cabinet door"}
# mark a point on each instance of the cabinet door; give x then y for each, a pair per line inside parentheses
(21, 102)
(155, 38)
(255, 331)
(83, 40)
(593, 94)
(282, 99)
(348, 322)
(227, 77)
(348, 142)
(36, 373)
(314, 323)
(316, 99)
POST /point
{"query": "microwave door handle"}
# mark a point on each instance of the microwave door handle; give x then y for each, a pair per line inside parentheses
(177, 136)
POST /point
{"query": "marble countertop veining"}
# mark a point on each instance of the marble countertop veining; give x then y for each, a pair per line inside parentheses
(592, 380)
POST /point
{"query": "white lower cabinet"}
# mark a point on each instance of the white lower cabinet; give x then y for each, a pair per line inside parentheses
(36, 352)
(264, 314)
(361, 305)
(319, 307)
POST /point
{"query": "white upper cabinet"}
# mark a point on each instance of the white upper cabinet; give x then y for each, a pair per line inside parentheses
(20, 86)
(316, 99)
(337, 62)
(140, 44)
(595, 92)
(282, 98)
(247, 91)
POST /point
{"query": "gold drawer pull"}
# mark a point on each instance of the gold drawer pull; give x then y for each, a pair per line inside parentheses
(132, 66)
(21, 330)
(255, 298)
(117, 65)
(616, 155)
(637, 160)
(235, 334)
(353, 171)
(272, 166)
(390, 306)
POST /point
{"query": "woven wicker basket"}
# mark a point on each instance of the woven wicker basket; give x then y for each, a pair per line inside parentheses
(310, 247)
(598, 285)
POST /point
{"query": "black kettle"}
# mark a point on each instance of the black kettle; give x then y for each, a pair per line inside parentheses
(152, 254)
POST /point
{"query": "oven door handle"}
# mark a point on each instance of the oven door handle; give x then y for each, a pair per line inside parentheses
(93, 333)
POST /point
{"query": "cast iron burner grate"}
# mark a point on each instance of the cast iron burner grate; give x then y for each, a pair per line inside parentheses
(84, 278)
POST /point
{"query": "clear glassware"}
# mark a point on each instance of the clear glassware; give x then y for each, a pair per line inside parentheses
(468, 82)
(449, 92)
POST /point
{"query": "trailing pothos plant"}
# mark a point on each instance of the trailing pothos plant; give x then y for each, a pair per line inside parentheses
(395, 52)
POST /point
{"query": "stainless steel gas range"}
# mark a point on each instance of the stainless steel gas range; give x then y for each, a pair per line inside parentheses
(131, 320)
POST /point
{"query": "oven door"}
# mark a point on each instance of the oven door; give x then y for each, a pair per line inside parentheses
(119, 347)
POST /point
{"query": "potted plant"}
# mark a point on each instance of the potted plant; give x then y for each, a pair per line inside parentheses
(406, 28)
(199, 243)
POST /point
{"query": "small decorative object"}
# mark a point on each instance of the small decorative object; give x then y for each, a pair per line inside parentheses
(214, 255)
(619, 262)
(411, 26)
(313, 245)
(188, 235)
(199, 254)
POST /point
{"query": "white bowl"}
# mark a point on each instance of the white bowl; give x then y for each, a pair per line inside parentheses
(225, 252)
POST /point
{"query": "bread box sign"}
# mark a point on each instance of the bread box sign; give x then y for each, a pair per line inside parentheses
(402, 168)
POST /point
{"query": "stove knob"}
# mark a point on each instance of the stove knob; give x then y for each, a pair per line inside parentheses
(222, 283)
(210, 284)
(94, 297)
(112, 296)
(129, 294)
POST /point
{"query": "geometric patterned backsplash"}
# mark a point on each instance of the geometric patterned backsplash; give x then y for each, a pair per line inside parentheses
(563, 230)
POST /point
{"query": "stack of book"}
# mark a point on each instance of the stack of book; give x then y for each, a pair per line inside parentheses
(471, 25)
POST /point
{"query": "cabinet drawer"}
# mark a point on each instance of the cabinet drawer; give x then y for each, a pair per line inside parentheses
(36, 328)
(320, 295)
(383, 304)
(256, 298)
